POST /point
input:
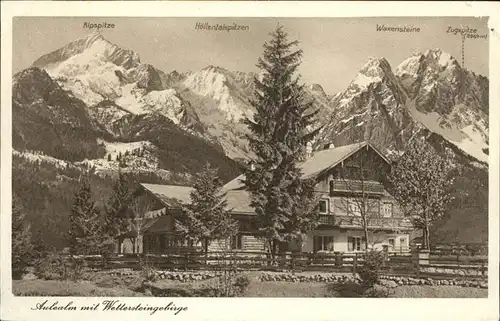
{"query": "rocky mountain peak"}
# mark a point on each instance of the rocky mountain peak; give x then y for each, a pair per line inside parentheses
(435, 60)
(317, 89)
(93, 37)
(32, 85)
(213, 68)
(90, 46)
(31, 73)
(375, 76)
(442, 58)
(376, 67)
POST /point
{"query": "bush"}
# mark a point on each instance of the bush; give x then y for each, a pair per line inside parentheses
(241, 283)
(55, 266)
(148, 270)
(372, 268)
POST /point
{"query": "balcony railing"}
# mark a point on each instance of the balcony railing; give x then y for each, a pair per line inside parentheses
(373, 222)
(326, 219)
(390, 222)
(352, 186)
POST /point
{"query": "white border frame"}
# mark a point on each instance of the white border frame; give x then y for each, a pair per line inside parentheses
(19, 308)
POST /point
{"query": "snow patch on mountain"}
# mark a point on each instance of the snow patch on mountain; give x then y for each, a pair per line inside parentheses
(139, 101)
(35, 156)
(140, 155)
(363, 81)
(212, 82)
(470, 138)
(409, 66)
(89, 77)
(93, 44)
(96, 80)
(115, 148)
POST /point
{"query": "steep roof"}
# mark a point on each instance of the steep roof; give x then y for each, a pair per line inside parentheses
(239, 202)
(170, 195)
(318, 163)
(174, 196)
(328, 158)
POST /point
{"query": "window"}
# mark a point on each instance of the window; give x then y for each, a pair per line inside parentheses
(323, 243)
(236, 242)
(402, 242)
(391, 242)
(387, 209)
(356, 243)
(323, 206)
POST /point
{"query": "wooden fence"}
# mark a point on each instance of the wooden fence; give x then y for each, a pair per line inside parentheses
(396, 263)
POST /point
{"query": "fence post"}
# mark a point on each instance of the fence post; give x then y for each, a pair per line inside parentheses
(355, 264)
(185, 261)
(416, 260)
(338, 260)
(293, 262)
(418, 266)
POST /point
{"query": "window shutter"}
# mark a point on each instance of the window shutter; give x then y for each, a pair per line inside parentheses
(350, 244)
(234, 241)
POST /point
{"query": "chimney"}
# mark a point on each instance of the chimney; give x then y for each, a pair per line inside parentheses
(309, 150)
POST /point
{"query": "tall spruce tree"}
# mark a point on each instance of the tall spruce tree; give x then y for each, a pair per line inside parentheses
(21, 239)
(207, 216)
(285, 204)
(86, 233)
(421, 183)
(117, 210)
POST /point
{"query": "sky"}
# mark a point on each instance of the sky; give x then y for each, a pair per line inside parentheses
(334, 49)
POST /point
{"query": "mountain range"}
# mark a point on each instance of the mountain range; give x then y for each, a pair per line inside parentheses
(93, 105)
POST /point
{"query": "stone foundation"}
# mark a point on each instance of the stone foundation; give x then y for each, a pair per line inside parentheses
(387, 281)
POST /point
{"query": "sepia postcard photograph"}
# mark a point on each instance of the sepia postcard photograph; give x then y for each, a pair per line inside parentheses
(154, 166)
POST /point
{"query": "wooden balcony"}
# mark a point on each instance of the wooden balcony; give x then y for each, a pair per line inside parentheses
(373, 222)
(327, 219)
(352, 186)
(390, 222)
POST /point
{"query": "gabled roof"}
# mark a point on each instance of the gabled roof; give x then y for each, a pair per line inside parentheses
(174, 196)
(239, 202)
(328, 158)
(318, 163)
(170, 195)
